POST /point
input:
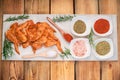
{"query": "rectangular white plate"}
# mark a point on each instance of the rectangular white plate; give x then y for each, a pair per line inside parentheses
(66, 27)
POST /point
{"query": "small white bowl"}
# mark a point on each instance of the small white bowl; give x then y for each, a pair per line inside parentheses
(86, 21)
(110, 22)
(87, 46)
(108, 55)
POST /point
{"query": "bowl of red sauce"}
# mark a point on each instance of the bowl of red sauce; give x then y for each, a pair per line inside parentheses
(102, 26)
(80, 48)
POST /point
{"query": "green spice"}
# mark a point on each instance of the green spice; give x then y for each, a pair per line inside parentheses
(62, 18)
(66, 53)
(103, 48)
(90, 37)
(79, 27)
(7, 49)
(21, 17)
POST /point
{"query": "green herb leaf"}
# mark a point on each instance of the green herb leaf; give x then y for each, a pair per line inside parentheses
(21, 17)
(66, 53)
(7, 49)
(62, 18)
(90, 37)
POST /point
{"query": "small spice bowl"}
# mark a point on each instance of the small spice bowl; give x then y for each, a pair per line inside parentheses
(102, 25)
(103, 48)
(80, 26)
(80, 48)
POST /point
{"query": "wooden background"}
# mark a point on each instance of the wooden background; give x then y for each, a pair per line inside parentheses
(39, 70)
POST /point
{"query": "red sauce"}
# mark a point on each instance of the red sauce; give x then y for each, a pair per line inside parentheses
(102, 26)
(67, 37)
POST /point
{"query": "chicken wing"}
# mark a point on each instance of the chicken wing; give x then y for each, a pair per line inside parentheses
(19, 34)
(34, 35)
(10, 34)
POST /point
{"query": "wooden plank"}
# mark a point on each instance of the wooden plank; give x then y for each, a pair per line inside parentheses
(111, 68)
(108, 7)
(5, 70)
(13, 6)
(86, 7)
(62, 70)
(37, 6)
(87, 70)
(12, 69)
(0, 34)
(107, 71)
(37, 70)
(62, 6)
(16, 70)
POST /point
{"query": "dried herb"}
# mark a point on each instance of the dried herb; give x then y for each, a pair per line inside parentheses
(79, 27)
(90, 37)
(66, 53)
(62, 18)
(21, 17)
(7, 49)
(103, 48)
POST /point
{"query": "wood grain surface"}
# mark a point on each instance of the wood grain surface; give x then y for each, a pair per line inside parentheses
(12, 69)
(109, 69)
(60, 70)
(89, 69)
(37, 70)
(0, 34)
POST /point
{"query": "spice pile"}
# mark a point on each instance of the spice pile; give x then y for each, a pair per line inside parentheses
(101, 26)
(103, 48)
(79, 48)
(79, 27)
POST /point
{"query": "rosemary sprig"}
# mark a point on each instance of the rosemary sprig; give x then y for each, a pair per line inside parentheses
(7, 49)
(21, 17)
(66, 53)
(62, 18)
(90, 37)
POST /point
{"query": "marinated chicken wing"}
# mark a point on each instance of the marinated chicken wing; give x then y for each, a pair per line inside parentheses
(25, 31)
(53, 41)
(34, 35)
(58, 44)
(25, 44)
(19, 32)
(33, 32)
(10, 34)
(45, 24)
(39, 43)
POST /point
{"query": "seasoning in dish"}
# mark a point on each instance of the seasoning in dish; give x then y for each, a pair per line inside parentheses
(102, 26)
(103, 48)
(79, 27)
(79, 48)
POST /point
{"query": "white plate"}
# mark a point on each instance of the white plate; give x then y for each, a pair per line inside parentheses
(87, 54)
(85, 19)
(108, 55)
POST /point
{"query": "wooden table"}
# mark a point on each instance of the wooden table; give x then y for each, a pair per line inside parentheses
(39, 70)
